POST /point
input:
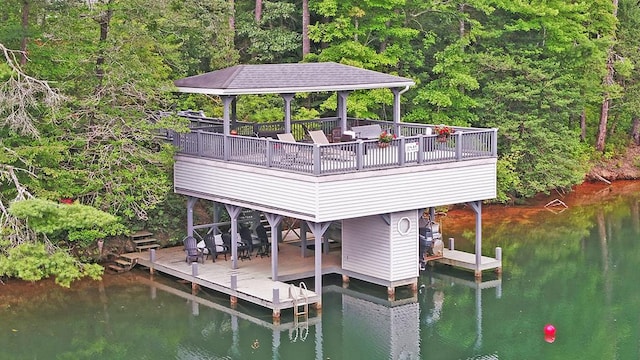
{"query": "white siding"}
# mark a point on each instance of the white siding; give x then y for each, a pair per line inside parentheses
(335, 197)
(404, 245)
(246, 185)
(366, 247)
(390, 191)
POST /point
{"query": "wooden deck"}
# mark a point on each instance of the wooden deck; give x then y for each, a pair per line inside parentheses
(253, 281)
(467, 261)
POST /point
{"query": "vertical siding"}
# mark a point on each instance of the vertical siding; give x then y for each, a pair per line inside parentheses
(365, 246)
(404, 245)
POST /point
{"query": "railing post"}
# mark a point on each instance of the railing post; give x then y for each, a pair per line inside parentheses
(494, 142)
(268, 152)
(226, 150)
(199, 137)
(420, 158)
(459, 146)
(317, 163)
(402, 152)
(359, 154)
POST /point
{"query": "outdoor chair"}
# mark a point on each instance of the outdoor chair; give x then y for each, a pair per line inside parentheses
(264, 249)
(191, 248)
(215, 246)
(245, 246)
(333, 153)
(293, 152)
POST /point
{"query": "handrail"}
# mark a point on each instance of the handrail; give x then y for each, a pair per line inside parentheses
(414, 146)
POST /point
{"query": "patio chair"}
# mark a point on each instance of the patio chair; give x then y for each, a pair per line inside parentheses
(294, 153)
(191, 248)
(245, 246)
(264, 249)
(332, 153)
(216, 246)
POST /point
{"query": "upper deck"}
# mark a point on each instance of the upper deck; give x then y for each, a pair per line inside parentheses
(325, 182)
(414, 145)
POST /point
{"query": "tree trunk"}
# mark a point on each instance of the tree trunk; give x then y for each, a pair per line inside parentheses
(606, 102)
(232, 16)
(259, 11)
(103, 20)
(583, 126)
(635, 130)
(306, 44)
(25, 29)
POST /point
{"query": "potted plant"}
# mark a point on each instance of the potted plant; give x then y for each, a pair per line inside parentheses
(385, 138)
(443, 132)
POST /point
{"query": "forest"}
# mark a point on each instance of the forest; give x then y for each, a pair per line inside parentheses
(82, 84)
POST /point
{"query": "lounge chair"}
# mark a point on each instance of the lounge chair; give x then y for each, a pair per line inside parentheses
(216, 246)
(191, 248)
(330, 152)
(294, 153)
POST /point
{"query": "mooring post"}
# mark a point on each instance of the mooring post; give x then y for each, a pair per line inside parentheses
(452, 244)
(276, 305)
(194, 273)
(345, 281)
(234, 286)
(152, 259)
(391, 293)
(499, 258)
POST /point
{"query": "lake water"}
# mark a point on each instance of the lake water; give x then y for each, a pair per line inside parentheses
(577, 269)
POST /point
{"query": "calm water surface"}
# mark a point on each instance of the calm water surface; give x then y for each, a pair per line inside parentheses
(577, 270)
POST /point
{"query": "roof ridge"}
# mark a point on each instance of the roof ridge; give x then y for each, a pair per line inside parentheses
(233, 75)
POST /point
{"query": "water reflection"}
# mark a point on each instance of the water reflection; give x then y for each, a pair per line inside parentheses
(434, 286)
(576, 270)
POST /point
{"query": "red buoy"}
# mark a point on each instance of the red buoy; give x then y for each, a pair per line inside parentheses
(549, 333)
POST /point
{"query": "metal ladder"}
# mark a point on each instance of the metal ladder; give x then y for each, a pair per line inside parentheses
(300, 298)
(301, 295)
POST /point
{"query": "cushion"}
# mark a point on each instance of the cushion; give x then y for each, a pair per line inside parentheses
(217, 239)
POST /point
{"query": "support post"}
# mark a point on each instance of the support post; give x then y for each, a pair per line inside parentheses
(318, 230)
(234, 212)
(345, 281)
(477, 207)
(342, 108)
(274, 222)
(191, 202)
(194, 273)
(226, 117)
(499, 258)
(287, 111)
(152, 260)
(276, 305)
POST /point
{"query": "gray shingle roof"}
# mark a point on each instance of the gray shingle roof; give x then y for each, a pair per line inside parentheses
(288, 78)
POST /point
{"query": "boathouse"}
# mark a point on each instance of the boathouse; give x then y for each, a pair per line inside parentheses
(331, 170)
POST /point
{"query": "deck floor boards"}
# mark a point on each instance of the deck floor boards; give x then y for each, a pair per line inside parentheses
(254, 283)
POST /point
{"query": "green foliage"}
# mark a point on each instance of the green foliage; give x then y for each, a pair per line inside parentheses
(273, 39)
(32, 262)
(80, 224)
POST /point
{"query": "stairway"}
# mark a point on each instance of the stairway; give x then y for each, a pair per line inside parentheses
(144, 240)
(122, 265)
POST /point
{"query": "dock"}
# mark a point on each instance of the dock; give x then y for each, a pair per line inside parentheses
(251, 282)
(465, 260)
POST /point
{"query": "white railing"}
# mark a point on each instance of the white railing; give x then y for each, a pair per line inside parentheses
(412, 147)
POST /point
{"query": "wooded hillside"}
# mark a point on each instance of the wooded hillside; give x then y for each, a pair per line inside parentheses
(81, 83)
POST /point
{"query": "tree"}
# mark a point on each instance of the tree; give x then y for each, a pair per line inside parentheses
(609, 89)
